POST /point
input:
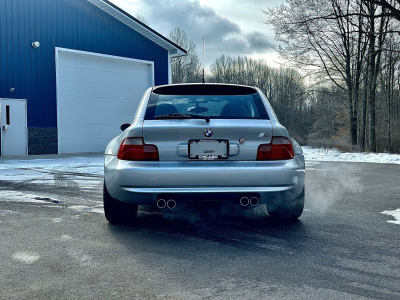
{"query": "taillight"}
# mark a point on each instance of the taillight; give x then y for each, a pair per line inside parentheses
(279, 148)
(136, 149)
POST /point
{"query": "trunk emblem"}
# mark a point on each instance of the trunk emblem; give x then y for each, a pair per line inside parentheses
(242, 140)
(208, 132)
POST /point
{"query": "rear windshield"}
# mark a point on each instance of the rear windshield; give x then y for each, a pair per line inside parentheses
(212, 106)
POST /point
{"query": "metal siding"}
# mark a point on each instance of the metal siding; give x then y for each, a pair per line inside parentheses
(73, 24)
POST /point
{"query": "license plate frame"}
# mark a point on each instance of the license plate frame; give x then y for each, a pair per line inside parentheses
(215, 149)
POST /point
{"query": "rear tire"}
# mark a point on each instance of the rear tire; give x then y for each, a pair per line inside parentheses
(287, 211)
(118, 212)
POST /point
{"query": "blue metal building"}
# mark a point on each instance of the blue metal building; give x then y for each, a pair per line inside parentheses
(77, 63)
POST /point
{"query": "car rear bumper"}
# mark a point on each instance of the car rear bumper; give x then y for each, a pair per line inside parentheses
(142, 182)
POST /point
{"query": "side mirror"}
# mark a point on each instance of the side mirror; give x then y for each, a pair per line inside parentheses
(125, 126)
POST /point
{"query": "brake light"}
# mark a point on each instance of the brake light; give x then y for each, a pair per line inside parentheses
(280, 148)
(136, 149)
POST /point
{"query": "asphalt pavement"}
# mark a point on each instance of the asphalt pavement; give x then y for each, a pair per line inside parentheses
(56, 243)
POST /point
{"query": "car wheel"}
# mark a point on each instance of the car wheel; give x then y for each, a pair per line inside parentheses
(291, 210)
(116, 211)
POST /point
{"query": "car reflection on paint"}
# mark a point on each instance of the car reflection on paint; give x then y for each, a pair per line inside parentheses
(201, 142)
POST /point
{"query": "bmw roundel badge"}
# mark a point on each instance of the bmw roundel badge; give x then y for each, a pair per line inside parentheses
(208, 132)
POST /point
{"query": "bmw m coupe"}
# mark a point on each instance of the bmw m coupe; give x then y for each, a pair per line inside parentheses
(199, 143)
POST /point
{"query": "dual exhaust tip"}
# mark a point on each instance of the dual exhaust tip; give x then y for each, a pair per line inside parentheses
(246, 201)
(171, 203)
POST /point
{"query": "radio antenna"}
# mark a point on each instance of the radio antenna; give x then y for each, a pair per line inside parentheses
(203, 57)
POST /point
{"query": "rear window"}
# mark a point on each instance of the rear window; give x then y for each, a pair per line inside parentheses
(248, 106)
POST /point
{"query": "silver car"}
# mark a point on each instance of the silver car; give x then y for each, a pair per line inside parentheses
(203, 142)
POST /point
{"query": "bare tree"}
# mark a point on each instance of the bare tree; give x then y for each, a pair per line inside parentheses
(185, 68)
(376, 40)
(142, 19)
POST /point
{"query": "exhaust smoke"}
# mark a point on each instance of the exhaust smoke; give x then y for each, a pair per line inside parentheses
(330, 183)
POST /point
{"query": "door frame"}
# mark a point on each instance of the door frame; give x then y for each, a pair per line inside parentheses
(59, 50)
(26, 125)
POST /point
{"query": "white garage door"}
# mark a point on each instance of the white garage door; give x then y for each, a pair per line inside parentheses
(95, 95)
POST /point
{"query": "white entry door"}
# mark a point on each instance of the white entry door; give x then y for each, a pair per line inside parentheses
(13, 127)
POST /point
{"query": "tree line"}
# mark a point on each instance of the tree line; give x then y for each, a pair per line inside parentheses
(350, 52)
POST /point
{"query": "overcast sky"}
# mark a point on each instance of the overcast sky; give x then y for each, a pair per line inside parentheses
(231, 27)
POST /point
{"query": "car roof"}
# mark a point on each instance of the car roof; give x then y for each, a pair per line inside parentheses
(204, 89)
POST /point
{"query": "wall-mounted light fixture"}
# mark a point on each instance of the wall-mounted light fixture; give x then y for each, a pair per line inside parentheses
(12, 90)
(36, 44)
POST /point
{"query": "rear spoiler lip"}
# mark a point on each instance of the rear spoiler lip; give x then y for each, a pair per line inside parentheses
(205, 89)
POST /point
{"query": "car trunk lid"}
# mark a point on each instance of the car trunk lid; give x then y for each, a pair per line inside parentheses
(173, 136)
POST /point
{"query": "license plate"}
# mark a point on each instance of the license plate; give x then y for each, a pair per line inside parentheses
(208, 149)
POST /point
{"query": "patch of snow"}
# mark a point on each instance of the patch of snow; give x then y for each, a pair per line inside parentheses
(15, 196)
(395, 214)
(321, 154)
(8, 212)
(26, 257)
(75, 173)
(11, 173)
(87, 209)
(92, 165)
(83, 259)
(65, 237)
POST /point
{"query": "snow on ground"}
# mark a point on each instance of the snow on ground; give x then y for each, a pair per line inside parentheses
(73, 172)
(43, 170)
(321, 154)
(93, 164)
(14, 196)
(395, 214)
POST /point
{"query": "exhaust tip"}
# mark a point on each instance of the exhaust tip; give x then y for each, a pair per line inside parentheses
(254, 201)
(171, 203)
(244, 201)
(161, 203)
